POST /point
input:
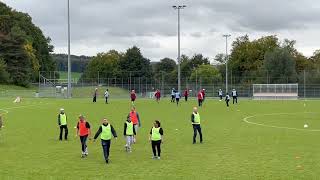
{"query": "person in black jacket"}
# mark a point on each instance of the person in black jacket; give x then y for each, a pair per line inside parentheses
(105, 130)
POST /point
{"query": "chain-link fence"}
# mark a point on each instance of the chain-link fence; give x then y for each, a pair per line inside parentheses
(120, 86)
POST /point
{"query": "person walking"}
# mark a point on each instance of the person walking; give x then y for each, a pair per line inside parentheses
(195, 119)
(157, 95)
(220, 93)
(200, 98)
(83, 131)
(156, 138)
(62, 122)
(106, 95)
(177, 96)
(235, 96)
(133, 97)
(173, 92)
(107, 131)
(95, 94)
(203, 92)
(129, 133)
(135, 119)
(227, 99)
(186, 95)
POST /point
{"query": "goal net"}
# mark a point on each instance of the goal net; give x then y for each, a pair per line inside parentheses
(275, 91)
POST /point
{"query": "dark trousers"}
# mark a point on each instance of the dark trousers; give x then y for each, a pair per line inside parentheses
(94, 99)
(227, 102)
(106, 148)
(220, 97)
(196, 128)
(106, 100)
(172, 98)
(177, 100)
(186, 98)
(156, 146)
(200, 102)
(235, 99)
(65, 128)
(83, 140)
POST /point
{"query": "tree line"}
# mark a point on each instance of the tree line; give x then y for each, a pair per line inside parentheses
(24, 50)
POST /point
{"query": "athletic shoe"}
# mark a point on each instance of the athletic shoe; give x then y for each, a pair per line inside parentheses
(107, 161)
(159, 158)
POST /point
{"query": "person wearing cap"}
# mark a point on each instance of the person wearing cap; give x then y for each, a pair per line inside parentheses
(195, 120)
(95, 94)
(107, 131)
(62, 122)
(83, 131)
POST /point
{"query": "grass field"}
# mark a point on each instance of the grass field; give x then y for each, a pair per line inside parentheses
(232, 148)
(74, 75)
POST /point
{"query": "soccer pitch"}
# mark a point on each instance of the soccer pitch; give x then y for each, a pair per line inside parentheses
(250, 140)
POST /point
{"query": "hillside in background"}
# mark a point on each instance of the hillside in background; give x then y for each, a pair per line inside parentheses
(78, 63)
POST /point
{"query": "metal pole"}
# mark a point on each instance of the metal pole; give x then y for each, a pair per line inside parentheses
(69, 60)
(304, 84)
(179, 70)
(227, 58)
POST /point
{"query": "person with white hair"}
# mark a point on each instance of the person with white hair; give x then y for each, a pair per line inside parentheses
(195, 120)
(62, 122)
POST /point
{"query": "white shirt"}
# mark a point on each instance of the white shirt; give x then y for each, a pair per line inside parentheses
(106, 94)
(234, 93)
(220, 93)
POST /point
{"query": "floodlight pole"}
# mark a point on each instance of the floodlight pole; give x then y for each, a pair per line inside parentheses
(69, 59)
(179, 56)
(227, 58)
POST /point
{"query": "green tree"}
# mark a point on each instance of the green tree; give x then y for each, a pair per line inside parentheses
(206, 74)
(4, 75)
(133, 62)
(281, 66)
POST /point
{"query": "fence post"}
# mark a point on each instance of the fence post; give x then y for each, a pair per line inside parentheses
(304, 84)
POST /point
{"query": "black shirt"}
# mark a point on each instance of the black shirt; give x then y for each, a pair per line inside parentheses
(100, 130)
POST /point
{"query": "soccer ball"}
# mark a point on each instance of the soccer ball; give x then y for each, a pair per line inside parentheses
(305, 126)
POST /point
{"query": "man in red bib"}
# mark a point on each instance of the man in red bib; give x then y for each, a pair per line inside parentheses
(134, 116)
(83, 130)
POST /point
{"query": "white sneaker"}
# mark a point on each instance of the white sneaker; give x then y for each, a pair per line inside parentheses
(158, 158)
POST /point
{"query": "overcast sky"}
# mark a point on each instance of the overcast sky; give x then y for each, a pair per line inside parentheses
(101, 25)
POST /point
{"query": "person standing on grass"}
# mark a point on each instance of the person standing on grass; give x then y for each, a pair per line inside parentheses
(203, 92)
(177, 96)
(234, 96)
(62, 122)
(129, 133)
(83, 131)
(173, 92)
(227, 99)
(107, 131)
(195, 119)
(157, 95)
(95, 94)
(220, 93)
(133, 96)
(186, 95)
(106, 95)
(156, 138)
(135, 119)
(200, 98)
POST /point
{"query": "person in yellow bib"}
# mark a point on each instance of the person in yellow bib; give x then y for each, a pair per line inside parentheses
(129, 132)
(62, 122)
(107, 131)
(156, 138)
(195, 119)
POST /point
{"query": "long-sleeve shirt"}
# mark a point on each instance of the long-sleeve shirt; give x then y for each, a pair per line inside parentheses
(125, 129)
(106, 94)
(59, 120)
(227, 97)
(100, 131)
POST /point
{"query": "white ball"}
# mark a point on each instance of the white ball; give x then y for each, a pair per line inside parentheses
(306, 126)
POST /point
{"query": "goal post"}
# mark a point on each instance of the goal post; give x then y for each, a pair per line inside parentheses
(275, 91)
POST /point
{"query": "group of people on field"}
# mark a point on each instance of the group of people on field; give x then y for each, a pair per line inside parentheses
(131, 125)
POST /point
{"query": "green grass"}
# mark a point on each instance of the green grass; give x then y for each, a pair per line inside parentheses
(232, 149)
(88, 91)
(74, 75)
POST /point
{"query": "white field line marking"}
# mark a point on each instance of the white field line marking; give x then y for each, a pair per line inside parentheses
(278, 127)
(5, 110)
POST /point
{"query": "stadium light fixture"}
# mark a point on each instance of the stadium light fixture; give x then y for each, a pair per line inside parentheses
(227, 58)
(179, 56)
